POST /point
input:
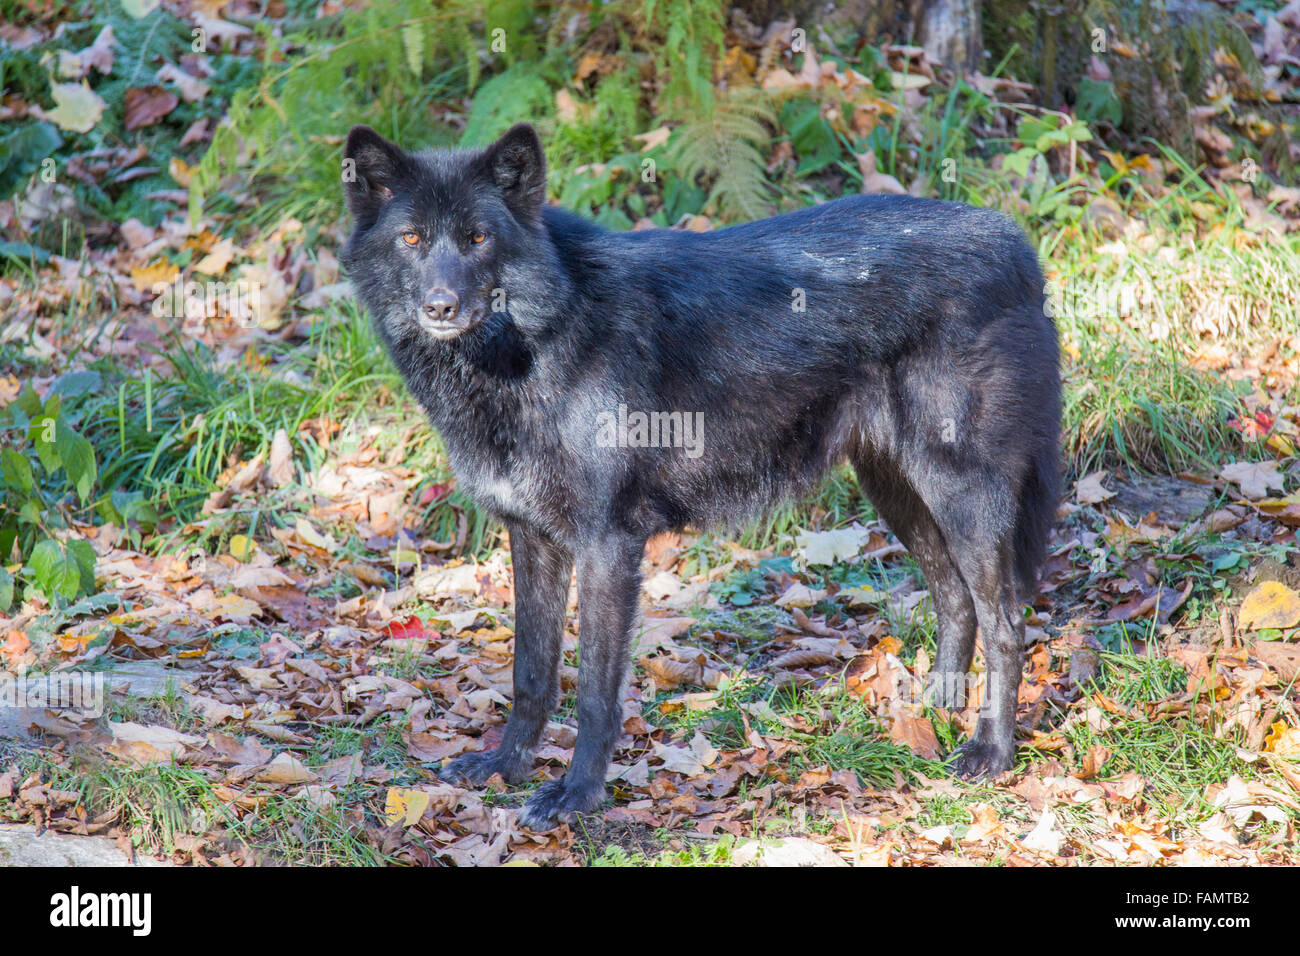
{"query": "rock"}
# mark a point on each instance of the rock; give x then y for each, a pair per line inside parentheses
(1174, 500)
(20, 846)
(132, 678)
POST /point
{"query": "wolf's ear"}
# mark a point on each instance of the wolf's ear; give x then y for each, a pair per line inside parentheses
(517, 166)
(371, 167)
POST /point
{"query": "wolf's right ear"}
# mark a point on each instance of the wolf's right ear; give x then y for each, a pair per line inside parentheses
(371, 168)
(516, 163)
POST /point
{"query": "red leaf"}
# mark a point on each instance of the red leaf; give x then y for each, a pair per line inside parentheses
(411, 627)
(434, 492)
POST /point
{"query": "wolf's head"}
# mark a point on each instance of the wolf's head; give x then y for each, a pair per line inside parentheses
(438, 234)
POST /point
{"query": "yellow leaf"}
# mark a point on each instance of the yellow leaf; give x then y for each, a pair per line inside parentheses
(146, 277)
(202, 241)
(405, 805)
(77, 107)
(218, 257)
(241, 547)
(1281, 444)
(9, 389)
(1118, 161)
(180, 172)
(236, 608)
(1270, 605)
(1283, 740)
(73, 643)
(309, 535)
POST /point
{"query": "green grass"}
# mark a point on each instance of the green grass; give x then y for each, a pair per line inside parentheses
(1177, 757)
(158, 804)
(844, 734)
(695, 853)
(1132, 395)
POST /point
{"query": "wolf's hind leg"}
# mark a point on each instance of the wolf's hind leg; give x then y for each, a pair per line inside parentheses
(542, 569)
(976, 511)
(910, 519)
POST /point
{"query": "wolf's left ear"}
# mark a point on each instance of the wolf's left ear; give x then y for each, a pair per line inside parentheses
(371, 168)
(517, 165)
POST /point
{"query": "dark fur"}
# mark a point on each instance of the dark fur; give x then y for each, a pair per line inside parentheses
(925, 357)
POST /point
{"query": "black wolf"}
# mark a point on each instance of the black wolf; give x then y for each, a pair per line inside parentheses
(906, 335)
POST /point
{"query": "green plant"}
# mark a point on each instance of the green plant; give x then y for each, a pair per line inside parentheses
(722, 147)
(741, 588)
(44, 463)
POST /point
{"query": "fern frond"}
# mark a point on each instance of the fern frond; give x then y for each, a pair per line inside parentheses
(413, 47)
(510, 97)
(724, 148)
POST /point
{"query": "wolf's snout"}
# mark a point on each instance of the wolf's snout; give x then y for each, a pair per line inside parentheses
(441, 305)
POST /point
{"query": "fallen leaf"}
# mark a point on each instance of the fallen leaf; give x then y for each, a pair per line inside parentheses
(1272, 604)
(800, 595)
(406, 805)
(76, 106)
(192, 88)
(139, 9)
(1090, 491)
(146, 105)
(1254, 478)
(280, 468)
(678, 759)
(141, 744)
(653, 138)
(286, 769)
(786, 851)
(831, 547)
(1045, 837)
(874, 181)
(161, 271)
(915, 733)
(1283, 740)
(218, 257)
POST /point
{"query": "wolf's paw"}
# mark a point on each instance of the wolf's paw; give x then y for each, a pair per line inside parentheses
(982, 758)
(476, 769)
(554, 803)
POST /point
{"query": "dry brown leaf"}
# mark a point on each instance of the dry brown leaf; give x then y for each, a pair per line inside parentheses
(1090, 491)
(146, 105)
(1255, 478)
(285, 769)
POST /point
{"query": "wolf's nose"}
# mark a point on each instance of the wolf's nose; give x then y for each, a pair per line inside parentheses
(441, 305)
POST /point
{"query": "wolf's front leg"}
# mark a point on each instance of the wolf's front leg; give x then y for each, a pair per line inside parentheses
(608, 586)
(542, 569)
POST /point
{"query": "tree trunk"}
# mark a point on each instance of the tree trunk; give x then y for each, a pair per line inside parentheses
(950, 33)
(948, 29)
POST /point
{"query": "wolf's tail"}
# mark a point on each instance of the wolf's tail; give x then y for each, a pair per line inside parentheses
(1039, 496)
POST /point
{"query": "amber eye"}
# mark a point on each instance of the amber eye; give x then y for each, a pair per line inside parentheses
(477, 237)
(411, 238)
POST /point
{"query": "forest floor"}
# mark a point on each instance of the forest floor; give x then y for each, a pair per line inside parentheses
(252, 538)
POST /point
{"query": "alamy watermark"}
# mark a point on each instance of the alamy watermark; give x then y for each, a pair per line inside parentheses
(240, 300)
(950, 690)
(62, 690)
(636, 429)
